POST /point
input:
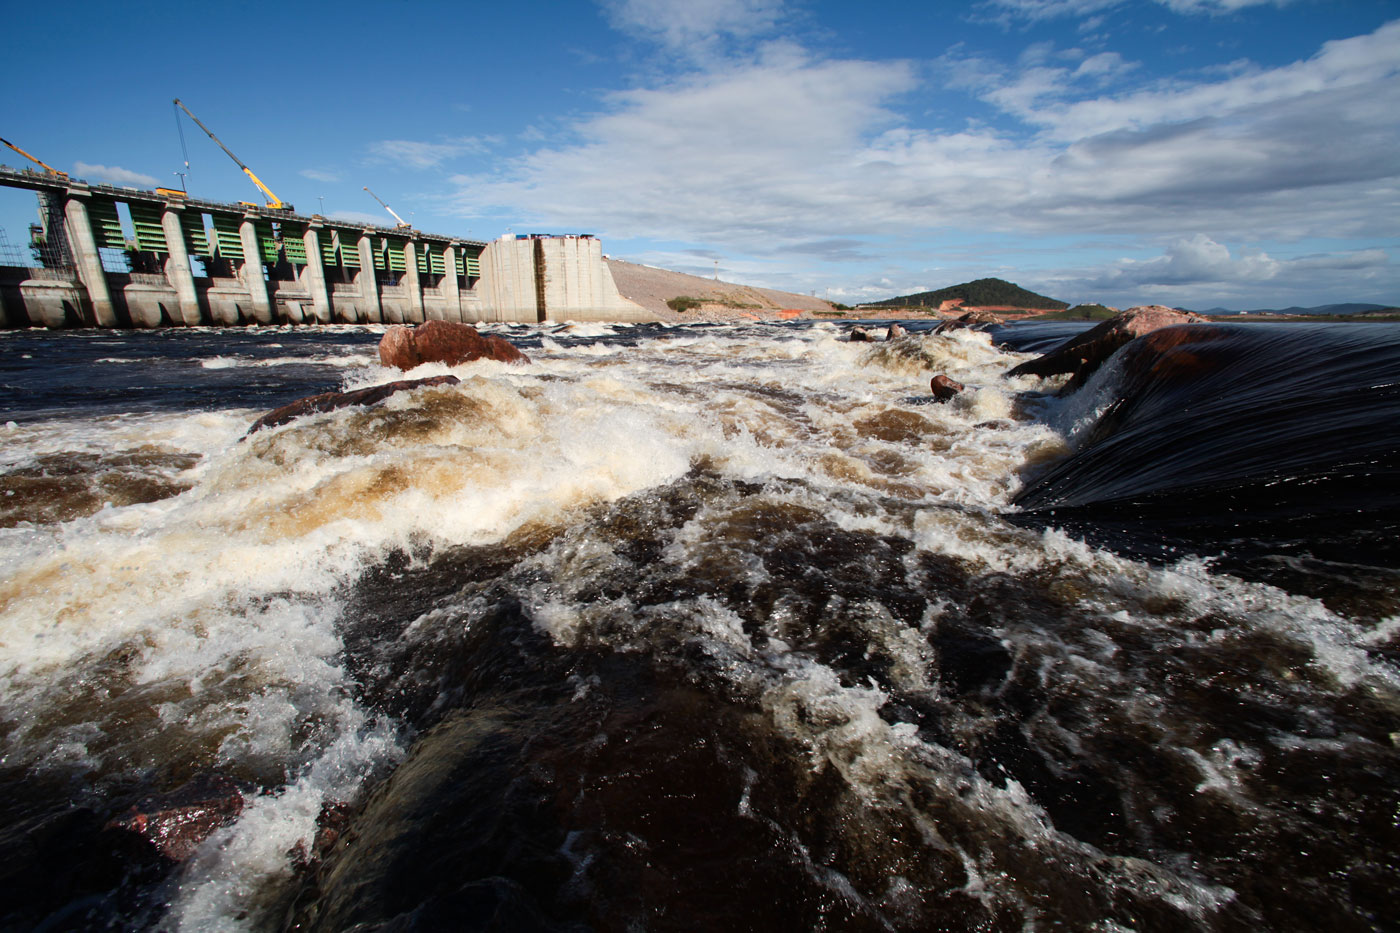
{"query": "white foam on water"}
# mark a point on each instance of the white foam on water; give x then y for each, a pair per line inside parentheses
(221, 602)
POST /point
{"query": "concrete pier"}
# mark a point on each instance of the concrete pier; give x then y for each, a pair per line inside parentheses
(163, 260)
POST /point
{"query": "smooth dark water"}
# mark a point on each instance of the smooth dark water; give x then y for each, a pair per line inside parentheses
(703, 628)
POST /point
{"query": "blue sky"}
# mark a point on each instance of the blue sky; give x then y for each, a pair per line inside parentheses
(1200, 153)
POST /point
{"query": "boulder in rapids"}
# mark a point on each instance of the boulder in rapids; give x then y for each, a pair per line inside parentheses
(944, 388)
(1083, 353)
(175, 824)
(859, 335)
(330, 401)
(970, 319)
(895, 332)
(446, 342)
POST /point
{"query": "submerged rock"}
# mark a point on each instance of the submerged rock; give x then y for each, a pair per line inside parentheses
(443, 342)
(1083, 353)
(176, 823)
(944, 388)
(330, 401)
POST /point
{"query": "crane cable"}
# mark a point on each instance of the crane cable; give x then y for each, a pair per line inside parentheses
(184, 150)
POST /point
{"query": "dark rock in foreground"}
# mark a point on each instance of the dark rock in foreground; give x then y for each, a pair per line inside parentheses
(330, 401)
(1084, 353)
(175, 824)
(445, 342)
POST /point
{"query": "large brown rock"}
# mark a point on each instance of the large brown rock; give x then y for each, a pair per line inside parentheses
(944, 388)
(1084, 353)
(330, 401)
(445, 342)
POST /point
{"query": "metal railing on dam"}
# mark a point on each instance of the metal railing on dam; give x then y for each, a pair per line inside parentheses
(108, 256)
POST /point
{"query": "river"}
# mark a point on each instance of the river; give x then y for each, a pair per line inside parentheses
(702, 627)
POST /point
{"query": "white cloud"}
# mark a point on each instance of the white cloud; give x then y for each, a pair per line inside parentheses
(319, 175)
(1345, 63)
(789, 151)
(363, 217)
(424, 155)
(1199, 271)
(1038, 10)
(113, 174)
(683, 25)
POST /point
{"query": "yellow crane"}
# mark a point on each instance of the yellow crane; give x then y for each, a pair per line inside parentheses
(401, 224)
(48, 168)
(273, 201)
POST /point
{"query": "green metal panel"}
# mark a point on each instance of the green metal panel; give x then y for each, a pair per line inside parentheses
(437, 263)
(379, 262)
(294, 244)
(150, 235)
(349, 252)
(106, 225)
(423, 251)
(328, 254)
(461, 262)
(226, 232)
(393, 255)
(196, 240)
(474, 265)
(267, 240)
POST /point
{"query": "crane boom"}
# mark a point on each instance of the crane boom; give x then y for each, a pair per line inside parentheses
(273, 201)
(48, 168)
(402, 225)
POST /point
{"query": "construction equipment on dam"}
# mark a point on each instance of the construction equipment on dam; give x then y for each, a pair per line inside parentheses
(274, 203)
(402, 225)
(110, 256)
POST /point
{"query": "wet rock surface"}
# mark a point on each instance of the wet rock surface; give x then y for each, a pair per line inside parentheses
(944, 388)
(176, 823)
(445, 342)
(1084, 353)
(330, 401)
(970, 319)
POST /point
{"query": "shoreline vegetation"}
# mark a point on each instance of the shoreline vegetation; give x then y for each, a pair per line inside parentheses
(677, 297)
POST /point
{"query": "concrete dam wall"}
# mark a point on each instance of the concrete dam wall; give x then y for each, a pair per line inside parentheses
(118, 257)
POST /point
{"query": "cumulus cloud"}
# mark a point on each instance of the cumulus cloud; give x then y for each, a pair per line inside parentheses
(786, 147)
(114, 175)
(424, 155)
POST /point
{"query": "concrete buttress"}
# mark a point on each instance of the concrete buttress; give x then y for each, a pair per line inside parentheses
(88, 262)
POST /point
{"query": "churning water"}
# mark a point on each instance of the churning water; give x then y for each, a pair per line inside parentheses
(699, 628)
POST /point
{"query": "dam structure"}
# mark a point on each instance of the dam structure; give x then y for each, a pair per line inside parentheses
(119, 257)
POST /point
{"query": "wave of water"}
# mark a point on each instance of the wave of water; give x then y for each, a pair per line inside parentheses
(677, 628)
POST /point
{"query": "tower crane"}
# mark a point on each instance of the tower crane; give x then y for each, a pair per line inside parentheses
(273, 201)
(47, 168)
(401, 224)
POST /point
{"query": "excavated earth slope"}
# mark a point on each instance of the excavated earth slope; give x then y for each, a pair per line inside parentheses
(652, 288)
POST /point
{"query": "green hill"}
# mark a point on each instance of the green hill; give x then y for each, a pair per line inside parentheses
(983, 293)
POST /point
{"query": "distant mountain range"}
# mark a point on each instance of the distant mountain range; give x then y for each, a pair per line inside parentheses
(983, 293)
(1348, 308)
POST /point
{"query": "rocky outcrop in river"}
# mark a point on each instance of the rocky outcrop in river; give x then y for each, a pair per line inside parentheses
(1084, 353)
(443, 342)
(330, 401)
